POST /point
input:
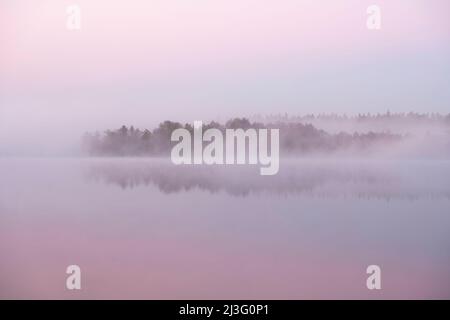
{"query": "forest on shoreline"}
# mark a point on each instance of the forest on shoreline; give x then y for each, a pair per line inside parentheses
(296, 138)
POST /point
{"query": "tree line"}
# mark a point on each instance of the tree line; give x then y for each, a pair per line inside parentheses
(295, 138)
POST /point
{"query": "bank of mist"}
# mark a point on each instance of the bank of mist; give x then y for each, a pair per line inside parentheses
(386, 135)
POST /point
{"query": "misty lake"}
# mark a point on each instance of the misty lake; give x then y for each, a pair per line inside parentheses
(142, 228)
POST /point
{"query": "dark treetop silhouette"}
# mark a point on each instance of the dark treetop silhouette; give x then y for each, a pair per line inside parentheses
(295, 138)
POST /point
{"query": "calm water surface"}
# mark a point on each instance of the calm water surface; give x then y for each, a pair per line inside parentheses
(142, 228)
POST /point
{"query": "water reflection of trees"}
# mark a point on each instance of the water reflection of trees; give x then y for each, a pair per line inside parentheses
(307, 179)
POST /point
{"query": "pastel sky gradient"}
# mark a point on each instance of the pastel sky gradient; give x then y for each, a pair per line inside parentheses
(143, 61)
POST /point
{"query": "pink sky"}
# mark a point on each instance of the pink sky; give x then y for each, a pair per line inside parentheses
(141, 62)
(166, 38)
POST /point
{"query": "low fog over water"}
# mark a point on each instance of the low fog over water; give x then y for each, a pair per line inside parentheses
(142, 227)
